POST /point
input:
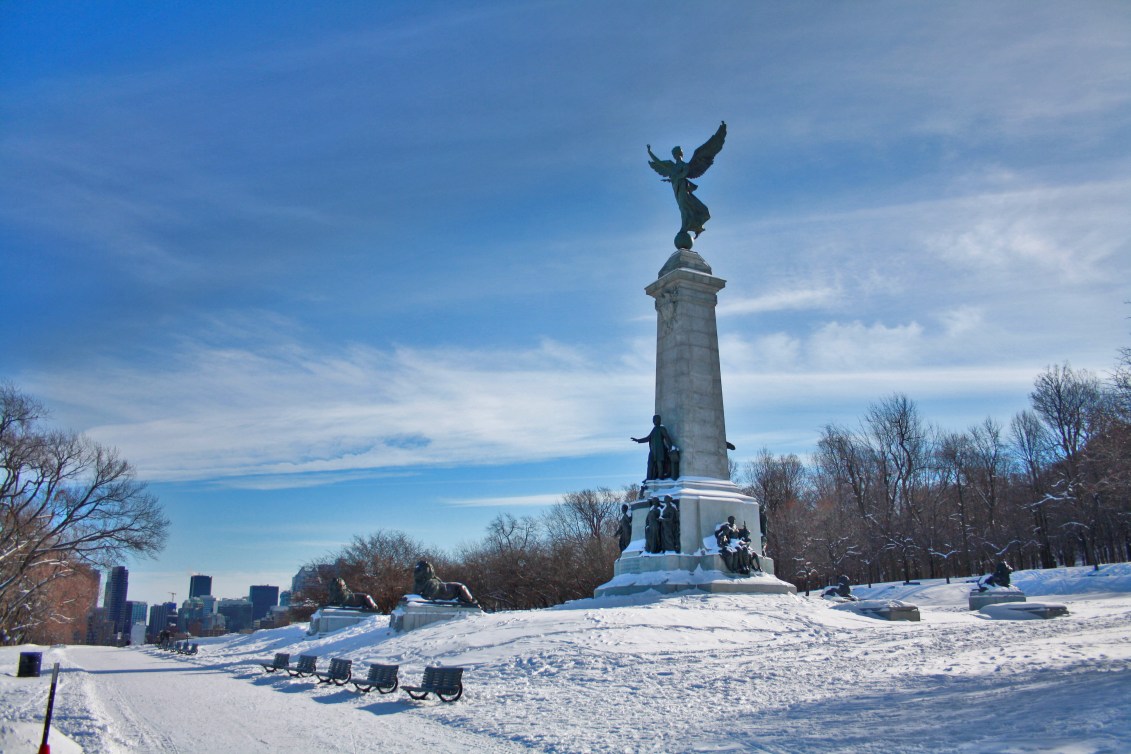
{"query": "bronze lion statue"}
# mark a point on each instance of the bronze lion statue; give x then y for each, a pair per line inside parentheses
(341, 595)
(428, 586)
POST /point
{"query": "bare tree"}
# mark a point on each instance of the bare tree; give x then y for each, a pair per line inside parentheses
(1032, 449)
(380, 565)
(780, 485)
(513, 567)
(1072, 407)
(64, 501)
(582, 537)
(587, 515)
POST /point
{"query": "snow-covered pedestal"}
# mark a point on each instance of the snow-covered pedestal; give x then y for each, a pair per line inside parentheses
(327, 619)
(882, 609)
(1025, 610)
(703, 505)
(995, 595)
(413, 611)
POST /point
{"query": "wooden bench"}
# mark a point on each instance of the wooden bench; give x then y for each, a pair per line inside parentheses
(381, 677)
(307, 665)
(339, 673)
(445, 683)
(282, 661)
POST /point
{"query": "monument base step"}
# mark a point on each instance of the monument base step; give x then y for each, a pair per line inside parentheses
(718, 582)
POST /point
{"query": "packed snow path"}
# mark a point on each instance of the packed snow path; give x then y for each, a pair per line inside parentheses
(136, 701)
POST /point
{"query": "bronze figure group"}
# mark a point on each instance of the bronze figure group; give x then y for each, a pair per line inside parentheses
(661, 525)
(735, 548)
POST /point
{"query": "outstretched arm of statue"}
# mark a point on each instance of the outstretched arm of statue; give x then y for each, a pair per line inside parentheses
(665, 168)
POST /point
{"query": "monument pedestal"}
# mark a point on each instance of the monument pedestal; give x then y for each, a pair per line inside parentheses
(703, 505)
(414, 611)
(327, 619)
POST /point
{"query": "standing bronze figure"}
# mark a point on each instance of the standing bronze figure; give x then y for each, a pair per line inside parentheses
(693, 213)
(660, 451)
(669, 525)
(653, 538)
(624, 531)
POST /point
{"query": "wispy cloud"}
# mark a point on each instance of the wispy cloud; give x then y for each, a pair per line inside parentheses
(520, 501)
(780, 300)
(269, 414)
(838, 345)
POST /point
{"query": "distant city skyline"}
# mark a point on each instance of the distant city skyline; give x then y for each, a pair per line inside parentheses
(322, 269)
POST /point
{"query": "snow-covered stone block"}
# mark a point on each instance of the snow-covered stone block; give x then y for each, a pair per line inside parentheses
(994, 596)
(1024, 610)
(882, 609)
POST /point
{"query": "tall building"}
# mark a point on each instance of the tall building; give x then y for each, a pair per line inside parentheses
(237, 614)
(135, 613)
(114, 600)
(199, 586)
(198, 614)
(160, 617)
(99, 630)
(262, 599)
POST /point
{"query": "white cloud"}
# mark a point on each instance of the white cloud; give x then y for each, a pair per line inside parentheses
(774, 352)
(1071, 232)
(513, 501)
(856, 346)
(962, 321)
(780, 300)
(269, 414)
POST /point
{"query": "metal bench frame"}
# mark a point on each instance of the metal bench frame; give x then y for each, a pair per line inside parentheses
(445, 683)
(381, 677)
(282, 661)
(339, 672)
(307, 665)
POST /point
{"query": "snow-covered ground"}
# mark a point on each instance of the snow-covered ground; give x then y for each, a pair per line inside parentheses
(685, 672)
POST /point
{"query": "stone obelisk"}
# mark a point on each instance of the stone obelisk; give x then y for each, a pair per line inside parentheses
(689, 385)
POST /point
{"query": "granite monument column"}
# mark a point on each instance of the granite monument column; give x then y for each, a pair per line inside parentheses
(689, 393)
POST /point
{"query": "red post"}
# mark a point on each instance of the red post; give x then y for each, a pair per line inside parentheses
(44, 747)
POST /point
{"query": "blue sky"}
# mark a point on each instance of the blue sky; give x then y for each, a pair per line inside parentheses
(318, 269)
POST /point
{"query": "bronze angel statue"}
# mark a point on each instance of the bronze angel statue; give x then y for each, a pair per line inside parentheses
(692, 212)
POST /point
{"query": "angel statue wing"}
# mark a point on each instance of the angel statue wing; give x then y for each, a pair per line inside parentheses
(704, 156)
